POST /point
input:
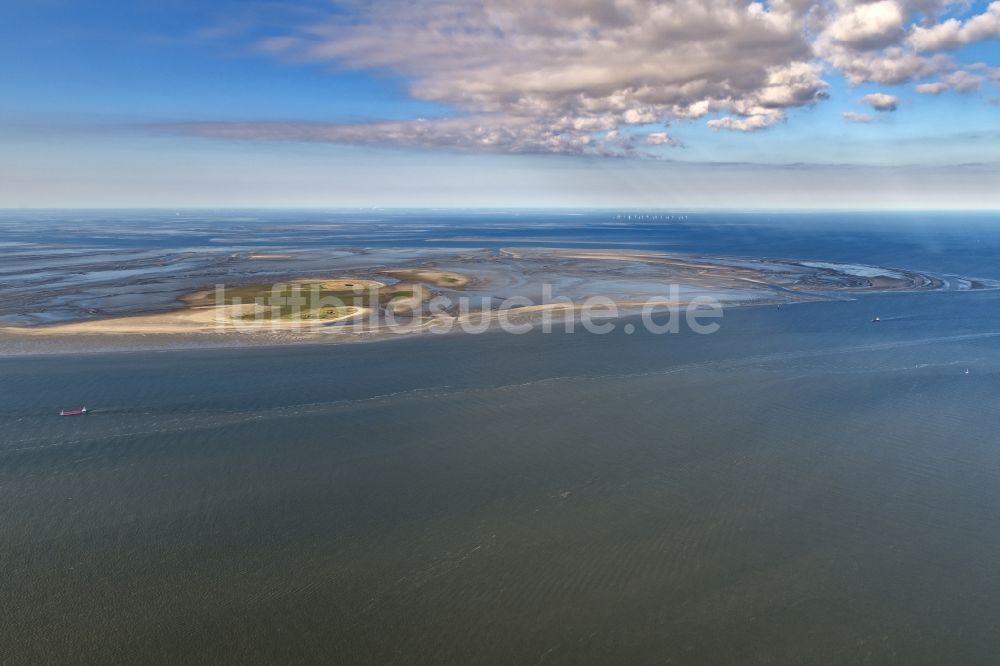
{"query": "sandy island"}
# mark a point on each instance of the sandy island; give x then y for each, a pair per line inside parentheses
(327, 306)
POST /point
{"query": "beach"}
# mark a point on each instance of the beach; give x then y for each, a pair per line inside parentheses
(441, 291)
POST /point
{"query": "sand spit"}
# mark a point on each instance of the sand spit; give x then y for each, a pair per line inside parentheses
(202, 319)
(448, 279)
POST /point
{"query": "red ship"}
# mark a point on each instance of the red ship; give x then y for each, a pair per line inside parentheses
(73, 412)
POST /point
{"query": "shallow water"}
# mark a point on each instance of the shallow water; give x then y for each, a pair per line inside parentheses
(802, 486)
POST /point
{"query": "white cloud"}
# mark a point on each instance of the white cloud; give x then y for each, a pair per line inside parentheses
(746, 124)
(585, 76)
(962, 81)
(866, 41)
(852, 117)
(637, 117)
(959, 81)
(483, 134)
(891, 66)
(935, 88)
(659, 139)
(869, 25)
(953, 33)
(571, 69)
(881, 101)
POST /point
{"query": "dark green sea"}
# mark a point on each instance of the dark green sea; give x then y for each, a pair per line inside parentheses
(801, 487)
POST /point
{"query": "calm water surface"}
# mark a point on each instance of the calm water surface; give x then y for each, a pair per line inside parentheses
(801, 487)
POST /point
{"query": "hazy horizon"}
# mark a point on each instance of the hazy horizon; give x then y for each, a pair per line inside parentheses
(623, 210)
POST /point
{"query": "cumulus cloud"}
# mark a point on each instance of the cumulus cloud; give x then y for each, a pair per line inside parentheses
(659, 139)
(891, 66)
(745, 124)
(560, 76)
(608, 77)
(954, 33)
(959, 81)
(963, 81)
(881, 101)
(867, 41)
(869, 25)
(935, 88)
(852, 117)
(641, 61)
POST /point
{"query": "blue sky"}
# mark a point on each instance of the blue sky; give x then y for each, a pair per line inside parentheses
(430, 104)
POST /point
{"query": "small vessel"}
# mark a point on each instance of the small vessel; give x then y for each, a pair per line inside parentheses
(73, 412)
(876, 320)
(966, 371)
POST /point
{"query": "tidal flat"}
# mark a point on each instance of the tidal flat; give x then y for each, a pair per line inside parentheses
(362, 294)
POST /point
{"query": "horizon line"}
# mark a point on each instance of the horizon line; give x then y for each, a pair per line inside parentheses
(500, 209)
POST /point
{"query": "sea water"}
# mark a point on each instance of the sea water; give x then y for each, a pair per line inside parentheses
(801, 486)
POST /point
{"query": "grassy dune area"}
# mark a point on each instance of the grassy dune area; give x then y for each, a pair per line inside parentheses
(315, 300)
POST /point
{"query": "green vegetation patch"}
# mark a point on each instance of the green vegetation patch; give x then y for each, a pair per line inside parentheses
(308, 300)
